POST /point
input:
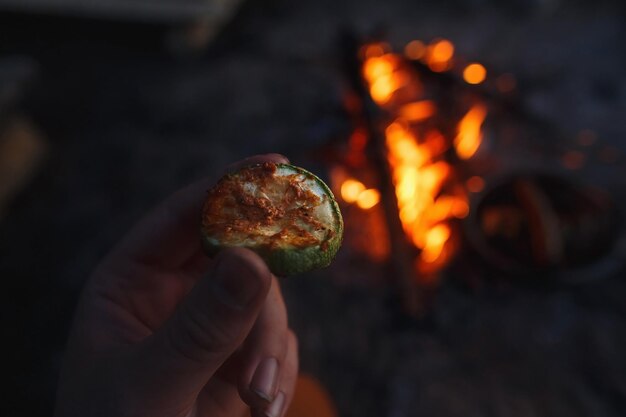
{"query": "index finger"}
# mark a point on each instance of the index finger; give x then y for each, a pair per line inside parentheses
(170, 234)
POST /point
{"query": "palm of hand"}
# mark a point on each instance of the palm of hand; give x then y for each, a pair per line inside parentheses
(144, 343)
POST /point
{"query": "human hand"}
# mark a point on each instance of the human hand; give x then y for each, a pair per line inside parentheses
(162, 331)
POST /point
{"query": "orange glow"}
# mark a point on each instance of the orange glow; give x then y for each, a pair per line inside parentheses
(469, 135)
(381, 72)
(435, 174)
(475, 184)
(474, 73)
(439, 55)
(358, 140)
(415, 50)
(418, 180)
(368, 199)
(383, 88)
(418, 110)
(376, 67)
(384, 76)
(439, 66)
(461, 209)
(442, 51)
(446, 207)
(436, 142)
(374, 50)
(403, 146)
(356, 145)
(436, 238)
(351, 189)
(420, 175)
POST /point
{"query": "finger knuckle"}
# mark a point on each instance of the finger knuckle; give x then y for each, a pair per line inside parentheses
(200, 335)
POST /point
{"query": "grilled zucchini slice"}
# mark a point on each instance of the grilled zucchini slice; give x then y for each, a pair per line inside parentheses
(282, 212)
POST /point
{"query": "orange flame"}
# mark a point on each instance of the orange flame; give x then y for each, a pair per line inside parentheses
(384, 86)
(418, 180)
(350, 190)
(439, 55)
(436, 238)
(418, 110)
(419, 174)
(378, 66)
(383, 77)
(354, 191)
(469, 135)
(368, 199)
(474, 73)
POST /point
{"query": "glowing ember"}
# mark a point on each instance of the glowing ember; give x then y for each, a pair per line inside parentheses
(475, 184)
(446, 207)
(474, 73)
(439, 55)
(386, 85)
(383, 76)
(469, 135)
(441, 51)
(436, 142)
(374, 50)
(358, 140)
(376, 67)
(436, 238)
(354, 191)
(368, 199)
(351, 189)
(418, 181)
(418, 110)
(460, 209)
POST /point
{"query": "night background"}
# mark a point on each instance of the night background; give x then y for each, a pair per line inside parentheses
(106, 110)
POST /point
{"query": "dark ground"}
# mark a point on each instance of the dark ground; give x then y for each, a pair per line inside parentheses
(129, 122)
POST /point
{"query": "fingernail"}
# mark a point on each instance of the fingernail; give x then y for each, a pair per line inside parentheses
(264, 380)
(276, 407)
(235, 282)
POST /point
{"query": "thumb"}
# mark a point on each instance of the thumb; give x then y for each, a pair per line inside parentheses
(208, 326)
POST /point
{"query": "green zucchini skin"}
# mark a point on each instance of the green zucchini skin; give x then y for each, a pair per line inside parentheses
(285, 262)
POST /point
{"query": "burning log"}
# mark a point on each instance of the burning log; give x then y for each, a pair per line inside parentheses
(420, 123)
(406, 148)
(368, 116)
(418, 155)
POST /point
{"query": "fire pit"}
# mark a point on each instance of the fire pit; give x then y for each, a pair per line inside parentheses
(435, 157)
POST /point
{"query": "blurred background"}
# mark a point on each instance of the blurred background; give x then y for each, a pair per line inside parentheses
(476, 147)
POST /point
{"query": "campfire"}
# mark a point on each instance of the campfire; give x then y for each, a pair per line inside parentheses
(420, 153)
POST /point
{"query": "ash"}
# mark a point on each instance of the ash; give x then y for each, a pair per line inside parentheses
(129, 121)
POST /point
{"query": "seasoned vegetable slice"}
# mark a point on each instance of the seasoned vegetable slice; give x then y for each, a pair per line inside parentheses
(284, 213)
